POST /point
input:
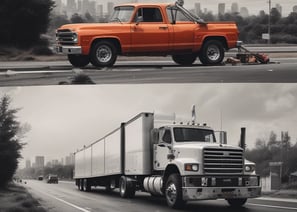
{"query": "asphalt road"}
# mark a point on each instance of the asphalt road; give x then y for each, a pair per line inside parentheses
(65, 197)
(282, 70)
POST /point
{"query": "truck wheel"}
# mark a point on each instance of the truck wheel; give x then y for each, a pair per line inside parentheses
(212, 53)
(185, 59)
(173, 192)
(103, 54)
(80, 185)
(237, 202)
(127, 187)
(78, 60)
(86, 185)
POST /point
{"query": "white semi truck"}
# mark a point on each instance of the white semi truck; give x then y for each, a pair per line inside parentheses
(182, 162)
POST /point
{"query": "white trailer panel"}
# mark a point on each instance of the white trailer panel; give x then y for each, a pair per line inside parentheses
(98, 159)
(113, 153)
(88, 162)
(137, 145)
(79, 164)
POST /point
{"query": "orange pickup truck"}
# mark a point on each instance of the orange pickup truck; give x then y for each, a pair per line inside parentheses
(147, 29)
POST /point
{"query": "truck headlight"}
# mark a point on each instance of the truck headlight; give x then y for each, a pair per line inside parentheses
(249, 168)
(74, 37)
(192, 167)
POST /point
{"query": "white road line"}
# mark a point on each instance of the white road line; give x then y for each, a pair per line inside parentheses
(272, 206)
(67, 203)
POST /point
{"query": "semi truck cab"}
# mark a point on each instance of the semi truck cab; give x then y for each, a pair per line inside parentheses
(194, 165)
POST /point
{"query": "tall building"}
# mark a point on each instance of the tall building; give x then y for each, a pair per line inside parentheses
(28, 164)
(39, 161)
(110, 6)
(221, 8)
(71, 6)
(198, 9)
(295, 9)
(100, 11)
(69, 160)
(234, 7)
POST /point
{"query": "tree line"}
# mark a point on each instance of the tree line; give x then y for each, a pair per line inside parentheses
(274, 150)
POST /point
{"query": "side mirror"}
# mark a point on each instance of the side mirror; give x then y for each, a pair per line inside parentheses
(155, 135)
(139, 19)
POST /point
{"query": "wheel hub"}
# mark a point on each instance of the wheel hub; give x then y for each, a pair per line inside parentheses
(171, 192)
(213, 53)
(104, 54)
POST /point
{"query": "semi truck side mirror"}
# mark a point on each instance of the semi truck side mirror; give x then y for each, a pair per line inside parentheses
(155, 136)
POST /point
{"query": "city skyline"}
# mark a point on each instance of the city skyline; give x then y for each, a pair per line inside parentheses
(253, 6)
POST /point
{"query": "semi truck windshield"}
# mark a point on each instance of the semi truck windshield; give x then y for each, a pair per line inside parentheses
(193, 135)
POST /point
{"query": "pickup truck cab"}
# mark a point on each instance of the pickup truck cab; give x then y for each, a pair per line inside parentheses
(147, 29)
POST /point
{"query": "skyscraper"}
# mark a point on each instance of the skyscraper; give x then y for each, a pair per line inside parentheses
(28, 164)
(234, 7)
(221, 8)
(279, 8)
(39, 161)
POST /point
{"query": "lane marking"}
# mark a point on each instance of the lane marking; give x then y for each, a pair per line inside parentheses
(67, 203)
(272, 206)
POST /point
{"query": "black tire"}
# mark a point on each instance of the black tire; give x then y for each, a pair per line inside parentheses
(212, 53)
(173, 192)
(185, 59)
(78, 60)
(80, 185)
(103, 54)
(86, 185)
(127, 188)
(237, 202)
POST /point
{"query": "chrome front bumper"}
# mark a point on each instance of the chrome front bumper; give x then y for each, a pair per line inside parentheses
(68, 49)
(196, 193)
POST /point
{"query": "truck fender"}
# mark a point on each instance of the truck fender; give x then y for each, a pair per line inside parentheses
(114, 39)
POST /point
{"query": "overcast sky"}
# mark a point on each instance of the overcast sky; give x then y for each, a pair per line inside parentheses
(64, 118)
(254, 6)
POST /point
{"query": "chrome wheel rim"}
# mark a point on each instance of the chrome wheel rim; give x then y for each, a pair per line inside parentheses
(213, 52)
(104, 54)
(171, 193)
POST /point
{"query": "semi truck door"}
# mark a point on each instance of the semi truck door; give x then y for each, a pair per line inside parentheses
(162, 149)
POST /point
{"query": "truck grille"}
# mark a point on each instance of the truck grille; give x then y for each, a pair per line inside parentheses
(223, 161)
(66, 37)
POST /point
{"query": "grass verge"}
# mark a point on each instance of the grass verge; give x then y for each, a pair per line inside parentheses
(16, 198)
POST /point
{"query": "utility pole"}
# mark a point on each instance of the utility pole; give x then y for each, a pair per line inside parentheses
(269, 21)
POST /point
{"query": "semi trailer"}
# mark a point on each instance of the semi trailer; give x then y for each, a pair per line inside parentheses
(183, 162)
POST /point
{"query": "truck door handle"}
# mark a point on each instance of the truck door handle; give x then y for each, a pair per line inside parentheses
(163, 27)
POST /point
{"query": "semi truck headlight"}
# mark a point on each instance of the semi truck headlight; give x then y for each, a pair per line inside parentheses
(249, 168)
(192, 167)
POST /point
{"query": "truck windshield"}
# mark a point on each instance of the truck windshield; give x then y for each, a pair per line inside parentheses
(193, 135)
(121, 14)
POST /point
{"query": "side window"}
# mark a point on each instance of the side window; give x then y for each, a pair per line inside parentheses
(167, 137)
(148, 15)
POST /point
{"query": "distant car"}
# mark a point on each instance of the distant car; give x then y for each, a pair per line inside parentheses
(40, 177)
(52, 179)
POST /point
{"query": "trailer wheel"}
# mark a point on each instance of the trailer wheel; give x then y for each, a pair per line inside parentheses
(173, 192)
(237, 202)
(127, 187)
(185, 59)
(212, 52)
(103, 54)
(86, 185)
(78, 60)
(80, 185)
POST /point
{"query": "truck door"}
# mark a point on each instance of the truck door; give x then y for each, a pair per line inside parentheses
(149, 32)
(162, 149)
(183, 31)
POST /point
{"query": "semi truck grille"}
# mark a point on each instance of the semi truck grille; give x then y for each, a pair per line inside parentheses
(223, 161)
(66, 37)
